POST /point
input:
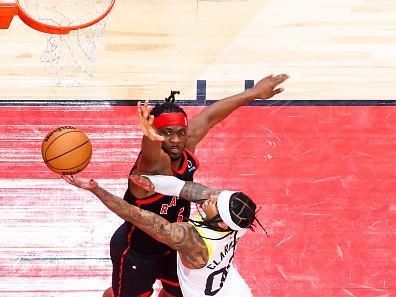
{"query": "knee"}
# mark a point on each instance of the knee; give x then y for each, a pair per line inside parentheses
(108, 293)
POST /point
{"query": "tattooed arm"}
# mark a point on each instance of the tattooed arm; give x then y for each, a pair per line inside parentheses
(197, 193)
(180, 236)
(173, 186)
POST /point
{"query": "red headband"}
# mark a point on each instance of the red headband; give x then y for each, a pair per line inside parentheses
(170, 119)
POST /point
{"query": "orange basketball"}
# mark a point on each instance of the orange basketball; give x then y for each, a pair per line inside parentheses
(66, 150)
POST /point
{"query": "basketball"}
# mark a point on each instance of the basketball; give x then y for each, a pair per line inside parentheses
(66, 150)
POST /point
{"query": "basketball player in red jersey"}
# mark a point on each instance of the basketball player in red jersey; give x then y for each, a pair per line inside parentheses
(138, 259)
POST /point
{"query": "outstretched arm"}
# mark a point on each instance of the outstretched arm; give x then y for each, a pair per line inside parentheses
(197, 193)
(153, 158)
(149, 222)
(180, 236)
(200, 125)
(173, 186)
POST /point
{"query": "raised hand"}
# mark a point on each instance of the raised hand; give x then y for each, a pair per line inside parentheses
(146, 122)
(267, 87)
(83, 183)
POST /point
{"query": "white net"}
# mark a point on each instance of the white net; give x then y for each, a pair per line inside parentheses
(68, 58)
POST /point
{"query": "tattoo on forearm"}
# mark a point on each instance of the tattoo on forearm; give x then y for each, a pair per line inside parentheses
(180, 236)
(196, 192)
(190, 245)
(149, 222)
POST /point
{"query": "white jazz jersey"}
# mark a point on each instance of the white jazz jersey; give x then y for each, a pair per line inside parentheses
(219, 277)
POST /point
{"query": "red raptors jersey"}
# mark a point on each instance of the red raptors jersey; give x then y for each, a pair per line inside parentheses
(171, 208)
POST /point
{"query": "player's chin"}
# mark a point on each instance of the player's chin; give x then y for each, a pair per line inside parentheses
(174, 155)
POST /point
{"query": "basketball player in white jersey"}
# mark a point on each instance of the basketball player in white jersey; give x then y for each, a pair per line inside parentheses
(206, 246)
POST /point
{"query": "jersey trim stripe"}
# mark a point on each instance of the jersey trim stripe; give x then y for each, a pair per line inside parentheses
(146, 294)
(168, 282)
(207, 241)
(184, 166)
(151, 199)
(122, 261)
(193, 156)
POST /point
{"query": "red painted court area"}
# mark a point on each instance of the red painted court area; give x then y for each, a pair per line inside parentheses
(324, 177)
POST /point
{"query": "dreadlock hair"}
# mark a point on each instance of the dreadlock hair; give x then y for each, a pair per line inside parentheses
(168, 106)
(211, 224)
(243, 213)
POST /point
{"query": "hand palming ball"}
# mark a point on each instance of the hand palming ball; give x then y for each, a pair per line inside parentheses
(66, 150)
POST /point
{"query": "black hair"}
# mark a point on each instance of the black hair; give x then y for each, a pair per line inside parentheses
(243, 210)
(168, 106)
(243, 213)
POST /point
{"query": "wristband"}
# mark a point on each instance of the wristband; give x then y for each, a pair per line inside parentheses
(166, 184)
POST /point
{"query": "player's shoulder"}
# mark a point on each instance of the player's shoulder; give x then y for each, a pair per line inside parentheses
(190, 245)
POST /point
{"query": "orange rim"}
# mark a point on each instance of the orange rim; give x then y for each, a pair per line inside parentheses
(42, 27)
(8, 9)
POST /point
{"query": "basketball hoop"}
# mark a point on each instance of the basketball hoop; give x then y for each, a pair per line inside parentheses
(74, 28)
(48, 24)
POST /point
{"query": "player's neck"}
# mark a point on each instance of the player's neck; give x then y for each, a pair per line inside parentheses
(176, 164)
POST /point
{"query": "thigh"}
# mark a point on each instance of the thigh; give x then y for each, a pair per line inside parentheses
(168, 275)
(133, 275)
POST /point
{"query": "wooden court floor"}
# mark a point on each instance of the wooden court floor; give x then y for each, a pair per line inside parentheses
(332, 49)
(323, 175)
